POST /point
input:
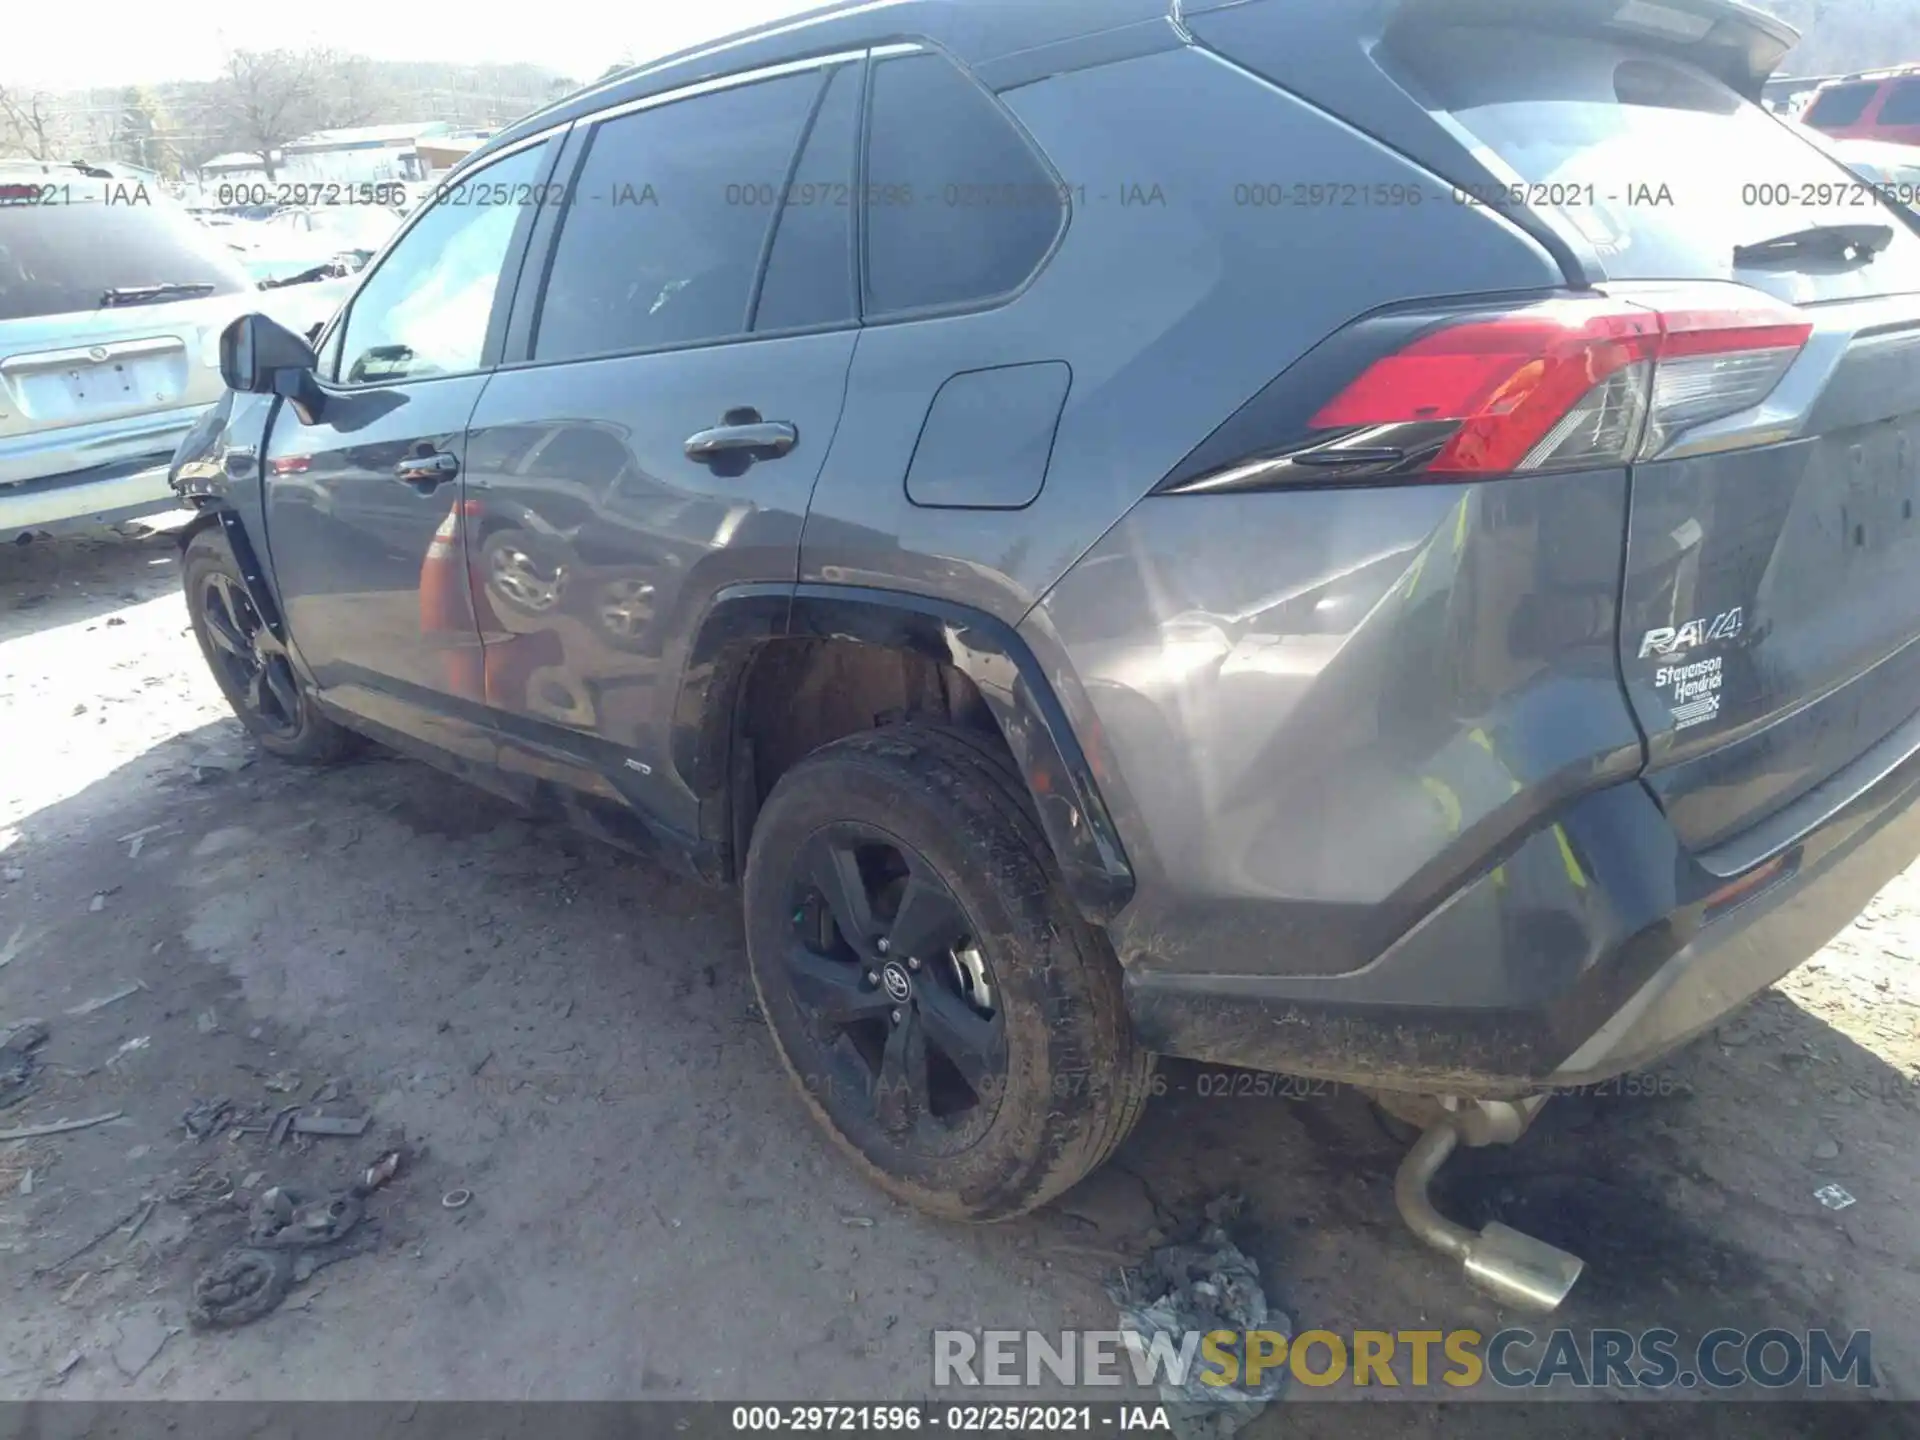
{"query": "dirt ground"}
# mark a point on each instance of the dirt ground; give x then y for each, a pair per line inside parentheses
(568, 1034)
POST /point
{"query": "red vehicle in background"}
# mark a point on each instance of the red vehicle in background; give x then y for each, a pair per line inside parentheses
(1874, 105)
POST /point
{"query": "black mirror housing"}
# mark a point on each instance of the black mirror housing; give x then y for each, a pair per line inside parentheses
(258, 356)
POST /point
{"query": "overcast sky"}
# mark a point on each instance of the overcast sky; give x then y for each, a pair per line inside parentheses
(134, 42)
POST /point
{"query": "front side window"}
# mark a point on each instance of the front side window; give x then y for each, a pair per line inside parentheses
(668, 218)
(424, 312)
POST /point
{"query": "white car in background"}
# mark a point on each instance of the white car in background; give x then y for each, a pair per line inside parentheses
(300, 240)
(112, 300)
(1893, 169)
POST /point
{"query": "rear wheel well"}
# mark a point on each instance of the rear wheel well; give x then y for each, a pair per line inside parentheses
(801, 695)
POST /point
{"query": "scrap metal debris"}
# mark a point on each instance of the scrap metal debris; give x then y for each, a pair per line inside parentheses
(57, 1127)
(318, 1121)
(281, 1124)
(380, 1172)
(289, 1237)
(18, 1068)
(207, 1117)
(241, 1286)
(106, 1234)
(100, 1002)
(1833, 1197)
(1198, 1286)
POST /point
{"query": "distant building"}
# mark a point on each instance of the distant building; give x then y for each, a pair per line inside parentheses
(237, 165)
(440, 153)
(364, 153)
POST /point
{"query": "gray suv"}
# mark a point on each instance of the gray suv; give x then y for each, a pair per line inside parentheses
(1367, 541)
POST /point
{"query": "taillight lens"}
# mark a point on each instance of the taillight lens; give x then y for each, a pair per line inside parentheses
(1570, 382)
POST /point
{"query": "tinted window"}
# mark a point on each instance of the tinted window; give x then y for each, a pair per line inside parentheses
(1659, 167)
(667, 221)
(1842, 105)
(425, 310)
(63, 246)
(1902, 106)
(959, 208)
(809, 277)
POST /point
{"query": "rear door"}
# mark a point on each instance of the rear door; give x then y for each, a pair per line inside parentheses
(363, 503)
(673, 387)
(1772, 580)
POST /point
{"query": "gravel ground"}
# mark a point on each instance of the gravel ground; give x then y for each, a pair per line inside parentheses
(567, 1034)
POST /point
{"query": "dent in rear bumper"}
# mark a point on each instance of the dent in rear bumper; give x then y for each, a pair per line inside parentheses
(72, 453)
(110, 492)
(1506, 988)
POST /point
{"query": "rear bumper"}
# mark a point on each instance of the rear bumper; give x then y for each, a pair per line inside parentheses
(106, 493)
(1598, 946)
(73, 452)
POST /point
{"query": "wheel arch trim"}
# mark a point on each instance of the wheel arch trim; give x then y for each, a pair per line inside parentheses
(990, 653)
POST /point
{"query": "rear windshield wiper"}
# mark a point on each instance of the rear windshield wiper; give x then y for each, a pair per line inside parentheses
(148, 294)
(1822, 242)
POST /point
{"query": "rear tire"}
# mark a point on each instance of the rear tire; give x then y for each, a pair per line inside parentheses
(948, 1016)
(251, 667)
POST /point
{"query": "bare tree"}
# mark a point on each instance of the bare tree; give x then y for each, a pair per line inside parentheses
(264, 99)
(29, 122)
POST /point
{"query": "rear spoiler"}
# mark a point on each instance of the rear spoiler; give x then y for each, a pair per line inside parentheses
(1734, 42)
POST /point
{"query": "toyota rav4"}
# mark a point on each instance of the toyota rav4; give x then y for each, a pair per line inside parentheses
(1373, 541)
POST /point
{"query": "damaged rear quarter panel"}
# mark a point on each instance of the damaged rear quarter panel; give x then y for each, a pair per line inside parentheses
(1331, 709)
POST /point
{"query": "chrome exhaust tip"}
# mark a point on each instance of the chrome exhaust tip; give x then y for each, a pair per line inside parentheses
(1513, 1268)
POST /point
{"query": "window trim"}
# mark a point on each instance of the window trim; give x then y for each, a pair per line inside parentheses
(543, 244)
(980, 304)
(525, 325)
(771, 239)
(513, 261)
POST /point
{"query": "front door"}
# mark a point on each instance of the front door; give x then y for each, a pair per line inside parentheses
(364, 504)
(661, 440)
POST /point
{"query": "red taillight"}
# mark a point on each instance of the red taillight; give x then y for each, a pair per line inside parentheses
(1576, 382)
(290, 464)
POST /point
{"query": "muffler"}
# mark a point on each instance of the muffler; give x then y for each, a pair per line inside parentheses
(1514, 1269)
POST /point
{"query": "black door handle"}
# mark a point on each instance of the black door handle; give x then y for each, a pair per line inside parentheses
(426, 473)
(742, 435)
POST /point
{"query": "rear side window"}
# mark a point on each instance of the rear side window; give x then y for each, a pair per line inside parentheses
(1902, 105)
(959, 207)
(1662, 169)
(809, 278)
(1842, 105)
(668, 219)
(66, 242)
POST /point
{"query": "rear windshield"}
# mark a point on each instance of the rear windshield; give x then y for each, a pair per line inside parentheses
(1659, 167)
(64, 244)
(1841, 105)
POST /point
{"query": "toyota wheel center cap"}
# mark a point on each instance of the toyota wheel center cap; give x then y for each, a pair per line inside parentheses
(898, 984)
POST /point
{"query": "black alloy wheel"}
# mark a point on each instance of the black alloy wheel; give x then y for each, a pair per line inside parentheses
(251, 665)
(885, 965)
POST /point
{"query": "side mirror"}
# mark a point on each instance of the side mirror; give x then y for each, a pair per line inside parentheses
(261, 357)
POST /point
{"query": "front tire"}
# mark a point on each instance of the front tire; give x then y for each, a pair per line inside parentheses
(949, 1018)
(252, 668)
